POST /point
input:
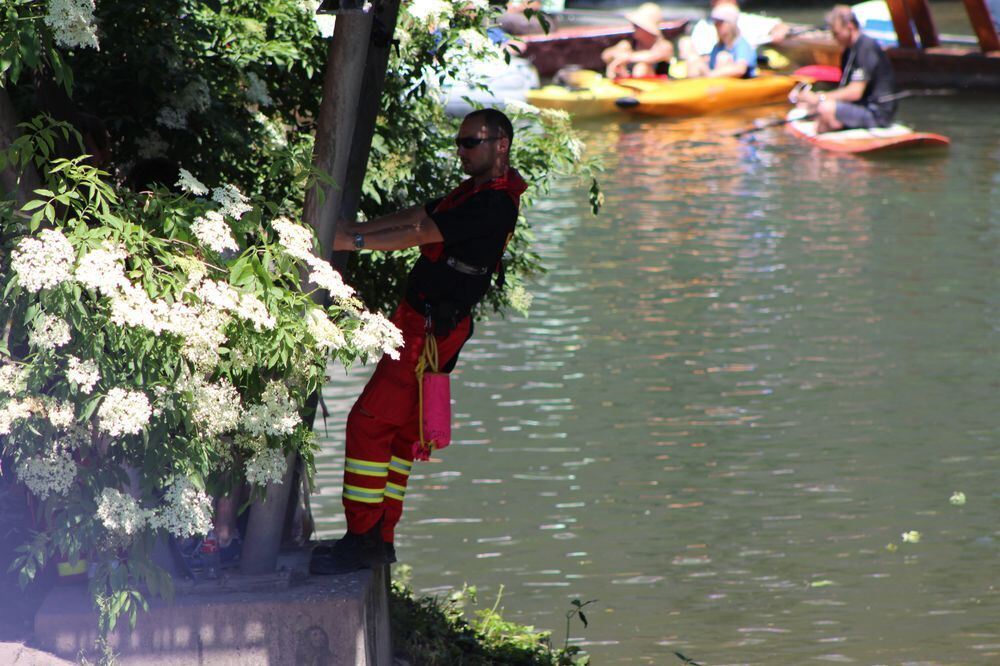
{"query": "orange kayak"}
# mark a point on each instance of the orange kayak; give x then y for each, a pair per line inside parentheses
(697, 97)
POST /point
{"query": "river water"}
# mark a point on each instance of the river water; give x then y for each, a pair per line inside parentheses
(737, 387)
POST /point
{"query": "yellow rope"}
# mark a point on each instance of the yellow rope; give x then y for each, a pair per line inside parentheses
(428, 361)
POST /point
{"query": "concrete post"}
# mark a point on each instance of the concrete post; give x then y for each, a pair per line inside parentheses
(345, 67)
(369, 105)
(266, 523)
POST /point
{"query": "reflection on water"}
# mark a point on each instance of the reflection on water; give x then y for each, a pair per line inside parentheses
(742, 381)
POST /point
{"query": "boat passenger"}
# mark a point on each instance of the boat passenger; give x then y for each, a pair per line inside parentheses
(648, 54)
(732, 56)
(863, 99)
(757, 29)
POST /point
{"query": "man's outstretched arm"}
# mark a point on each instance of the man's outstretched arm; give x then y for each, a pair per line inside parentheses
(407, 228)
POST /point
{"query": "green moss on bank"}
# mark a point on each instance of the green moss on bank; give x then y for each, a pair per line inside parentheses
(431, 631)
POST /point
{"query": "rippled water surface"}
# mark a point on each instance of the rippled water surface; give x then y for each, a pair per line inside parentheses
(738, 385)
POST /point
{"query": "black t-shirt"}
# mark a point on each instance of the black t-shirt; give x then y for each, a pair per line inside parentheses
(866, 61)
(475, 233)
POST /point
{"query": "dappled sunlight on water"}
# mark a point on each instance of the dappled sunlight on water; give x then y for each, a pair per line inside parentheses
(740, 383)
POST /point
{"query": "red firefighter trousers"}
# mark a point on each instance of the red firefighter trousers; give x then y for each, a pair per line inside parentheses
(383, 425)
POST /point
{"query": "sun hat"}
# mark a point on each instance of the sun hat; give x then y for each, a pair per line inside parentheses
(725, 13)
(648, 17)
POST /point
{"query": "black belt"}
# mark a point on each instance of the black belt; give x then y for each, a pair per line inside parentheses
(463, 267)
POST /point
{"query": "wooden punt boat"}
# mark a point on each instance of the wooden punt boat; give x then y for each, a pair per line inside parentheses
(696, 97)
(582, 45)
(868, 141)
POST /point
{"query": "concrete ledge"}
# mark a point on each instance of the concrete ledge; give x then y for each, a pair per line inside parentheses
(321, 621)
(22, 655)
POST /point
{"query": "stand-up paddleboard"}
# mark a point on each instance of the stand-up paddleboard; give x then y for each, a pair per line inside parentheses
(868, 141)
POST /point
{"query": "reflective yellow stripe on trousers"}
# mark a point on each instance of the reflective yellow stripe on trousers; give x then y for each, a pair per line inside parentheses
(366, 467)
(395, 491)
(367, 495)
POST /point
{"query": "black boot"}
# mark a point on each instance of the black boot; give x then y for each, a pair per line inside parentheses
(349, 553)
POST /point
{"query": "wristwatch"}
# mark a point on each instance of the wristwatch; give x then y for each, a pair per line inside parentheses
(359, 241)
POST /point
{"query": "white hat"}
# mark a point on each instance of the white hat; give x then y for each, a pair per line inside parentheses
(648, 17)
(725, 13)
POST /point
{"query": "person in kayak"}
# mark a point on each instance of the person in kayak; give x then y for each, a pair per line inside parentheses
(462, 238)
(648, 54)
(731, 57)
(862, 100)
(757, 29)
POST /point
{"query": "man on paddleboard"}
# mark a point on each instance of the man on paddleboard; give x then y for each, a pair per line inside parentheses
(864, 98)
(462, 237)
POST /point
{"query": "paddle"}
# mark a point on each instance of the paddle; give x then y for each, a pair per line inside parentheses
(903, 94)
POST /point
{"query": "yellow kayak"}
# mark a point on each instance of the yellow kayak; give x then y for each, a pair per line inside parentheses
(697, 97)
(596, 98)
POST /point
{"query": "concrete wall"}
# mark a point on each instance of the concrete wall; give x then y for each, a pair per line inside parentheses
(322, 621)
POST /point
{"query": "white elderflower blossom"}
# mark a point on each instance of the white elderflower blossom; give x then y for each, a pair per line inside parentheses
(520, 299)
(327, 334)
(15, 410)
(517, 106)
(196, 96)
(256, 92)
(575, 147)
(186, 511)
(212, 231)
(429, 11)
(43, 262)
(233, 203)
(267, 466)
(61, 413)
(277, 414)
(72, 23)
(49, 332)
(124, 412)
(220, 294)
(195, 271)
(323, 275)
(274, 129)
(295, 238)
(13, 378)
(102, 270)
(172, 118)
(84, 374)
(253, 310)
(51, 474)
(132, 307)
(203, 332)
(189, 183)
(216, 407)
(120, 513)
(225, 297)
(152, 145)
(476, 42)
(252, 443)
(376, 336)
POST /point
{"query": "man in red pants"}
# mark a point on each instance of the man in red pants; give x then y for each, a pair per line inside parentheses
(462, 237)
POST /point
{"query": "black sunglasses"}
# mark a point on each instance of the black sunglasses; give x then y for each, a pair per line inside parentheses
(473, 141)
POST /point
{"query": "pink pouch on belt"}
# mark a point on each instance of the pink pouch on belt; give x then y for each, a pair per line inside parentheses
(436, 410)
(435, 404)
